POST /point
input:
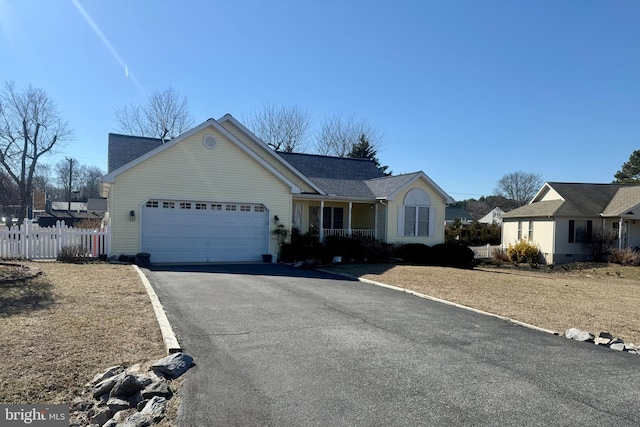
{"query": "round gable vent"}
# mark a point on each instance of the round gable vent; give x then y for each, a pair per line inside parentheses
(209, 141)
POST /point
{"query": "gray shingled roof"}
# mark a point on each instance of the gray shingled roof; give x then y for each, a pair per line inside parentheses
(385, 186)
(626, 198)
(126, 148)
(580, 200)
(337, 176)
(316, 166)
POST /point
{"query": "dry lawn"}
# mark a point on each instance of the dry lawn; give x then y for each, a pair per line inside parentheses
(61, 328)
(591, 298)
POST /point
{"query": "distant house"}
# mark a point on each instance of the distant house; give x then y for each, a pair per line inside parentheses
(217, 193)
(562, 218)
(60, 212)
(493, 217)
(452, 213)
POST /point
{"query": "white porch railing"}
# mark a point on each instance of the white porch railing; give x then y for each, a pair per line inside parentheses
(32, 242)
(358, 233)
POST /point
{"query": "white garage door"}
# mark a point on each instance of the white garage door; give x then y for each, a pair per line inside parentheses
(193, 231)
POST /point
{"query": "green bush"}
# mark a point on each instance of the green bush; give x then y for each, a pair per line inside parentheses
(451, 254)
(415, 253)
(523, 252)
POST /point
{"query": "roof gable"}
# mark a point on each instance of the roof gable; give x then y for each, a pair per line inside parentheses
(110, 177)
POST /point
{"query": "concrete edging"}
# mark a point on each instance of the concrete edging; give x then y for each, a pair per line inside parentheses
(464, 307)
(168, 336)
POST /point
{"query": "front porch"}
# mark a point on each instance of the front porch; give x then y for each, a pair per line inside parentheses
(362, 220)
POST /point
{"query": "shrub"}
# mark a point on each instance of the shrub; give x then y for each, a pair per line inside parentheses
(523, 252)
(414, 253)
(624, 256)
(500, 255)
(451, 254)
(346, 247)
(74, 254)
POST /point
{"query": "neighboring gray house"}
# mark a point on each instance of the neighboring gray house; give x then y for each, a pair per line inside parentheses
(457, 212)
(562, 217)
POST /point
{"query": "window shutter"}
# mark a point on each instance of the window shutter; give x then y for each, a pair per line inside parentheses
(432, 222)
(589, 230)
(572, 229)
(401, 220)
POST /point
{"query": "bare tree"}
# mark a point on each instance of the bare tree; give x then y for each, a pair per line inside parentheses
(519, 186)
(89, 182)
(42, 177)
(338, 135)
(165, 115)
(283, 128)
(30, 127)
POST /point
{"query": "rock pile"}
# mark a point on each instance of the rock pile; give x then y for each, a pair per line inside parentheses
(120, 397)
(603, 338)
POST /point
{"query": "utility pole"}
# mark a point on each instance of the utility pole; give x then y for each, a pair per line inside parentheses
(70, 180)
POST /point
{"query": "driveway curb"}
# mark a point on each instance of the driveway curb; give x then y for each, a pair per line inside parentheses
(168, 336)
(465, 307)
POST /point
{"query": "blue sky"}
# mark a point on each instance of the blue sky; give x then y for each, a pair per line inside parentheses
(466, 91)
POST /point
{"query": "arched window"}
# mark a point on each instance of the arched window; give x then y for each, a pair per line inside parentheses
(415, 216)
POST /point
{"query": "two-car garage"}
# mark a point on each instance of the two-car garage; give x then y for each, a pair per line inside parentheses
(204, 231)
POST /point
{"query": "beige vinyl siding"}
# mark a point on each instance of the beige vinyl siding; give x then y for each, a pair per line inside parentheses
(551, 194)
(189, 171)
(437, 204)
(262, 151)
(510, 233)
(543, 237)
(570, 252)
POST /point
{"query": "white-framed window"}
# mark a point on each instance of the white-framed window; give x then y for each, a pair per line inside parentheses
(415, 215)
(201, 206)
(258, 208)
(530, 230)
(169, 205)
(152, 204)
(519, 230)
(185, 205)
(231, 207)
(245, 208)
(216, 207)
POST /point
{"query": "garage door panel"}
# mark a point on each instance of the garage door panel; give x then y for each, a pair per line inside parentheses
(214, 234)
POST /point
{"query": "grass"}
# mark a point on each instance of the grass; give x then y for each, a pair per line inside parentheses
(59, 329)
(589, 297)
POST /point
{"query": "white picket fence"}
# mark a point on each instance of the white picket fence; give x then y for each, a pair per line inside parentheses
(32, 242)
(485, 251)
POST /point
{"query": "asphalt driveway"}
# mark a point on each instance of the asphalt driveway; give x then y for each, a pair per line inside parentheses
(278, 346)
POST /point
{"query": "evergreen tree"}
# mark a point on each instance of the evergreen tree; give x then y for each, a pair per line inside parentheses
(630, 172)
(364, 150)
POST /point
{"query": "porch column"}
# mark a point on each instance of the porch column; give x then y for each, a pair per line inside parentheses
(620, 224)
(375, 222)
(349, 218)
(320, 227)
